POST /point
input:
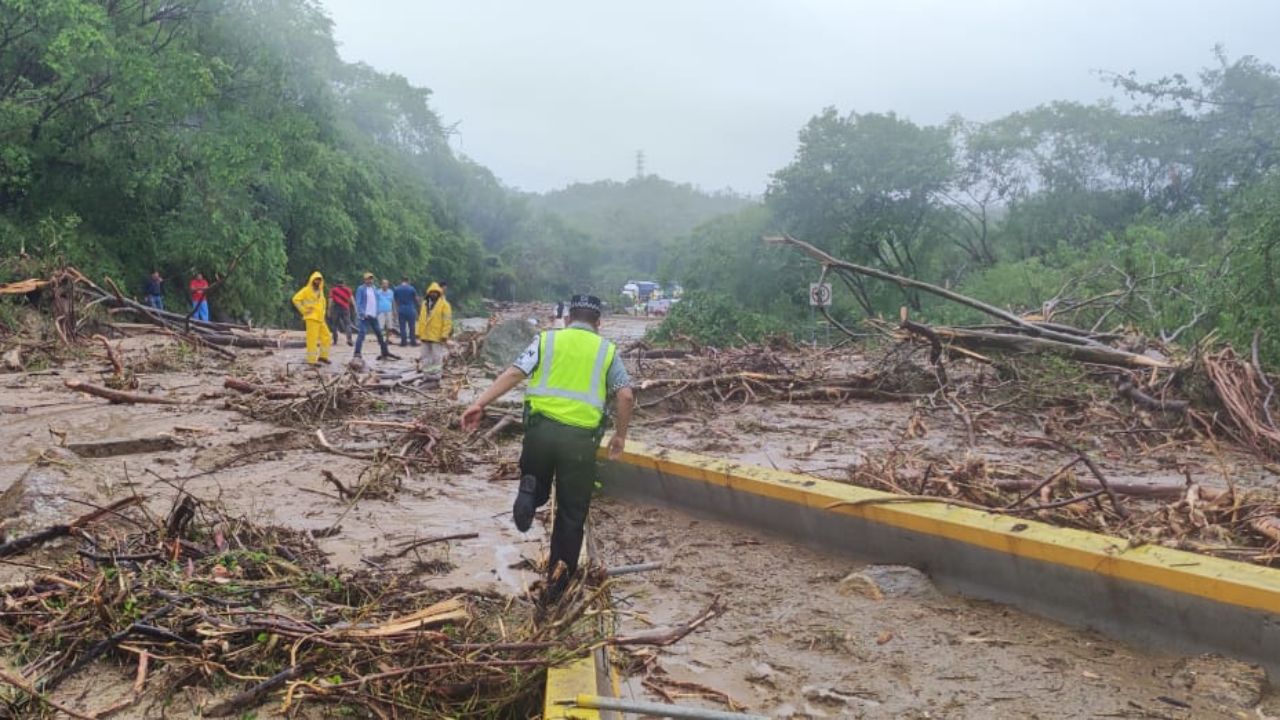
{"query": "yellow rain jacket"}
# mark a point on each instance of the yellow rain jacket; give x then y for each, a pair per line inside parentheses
(438, 326)
(311, 303)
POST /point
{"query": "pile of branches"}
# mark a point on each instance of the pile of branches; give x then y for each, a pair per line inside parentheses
(203, 598)
(1234, 523)
(74, 295)
(332, 397)
(1239, 404)
(707, 376)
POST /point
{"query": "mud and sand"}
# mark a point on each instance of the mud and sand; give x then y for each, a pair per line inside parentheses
(796, 640)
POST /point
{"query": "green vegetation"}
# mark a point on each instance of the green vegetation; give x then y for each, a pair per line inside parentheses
(715, 319)
(1163, 218)
(187, 136)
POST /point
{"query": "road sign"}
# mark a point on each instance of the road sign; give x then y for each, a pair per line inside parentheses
(820, 294)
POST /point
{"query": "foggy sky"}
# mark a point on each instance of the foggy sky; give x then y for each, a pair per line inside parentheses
(549, 92)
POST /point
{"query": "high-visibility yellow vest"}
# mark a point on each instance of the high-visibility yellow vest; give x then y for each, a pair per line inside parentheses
(568, 385)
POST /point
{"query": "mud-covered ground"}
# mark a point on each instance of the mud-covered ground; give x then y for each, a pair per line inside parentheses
(796, 640)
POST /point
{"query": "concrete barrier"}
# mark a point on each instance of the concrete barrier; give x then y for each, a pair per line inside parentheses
(1145, 594)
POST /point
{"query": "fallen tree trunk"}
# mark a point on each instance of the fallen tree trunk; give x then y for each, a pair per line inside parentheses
(251, 341)
(1097, 354)
(1034, 329)
(118, 396)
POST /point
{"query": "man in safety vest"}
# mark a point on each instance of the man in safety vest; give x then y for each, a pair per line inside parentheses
(571, 373)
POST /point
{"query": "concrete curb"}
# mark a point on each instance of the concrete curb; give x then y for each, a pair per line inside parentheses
(1147, 595)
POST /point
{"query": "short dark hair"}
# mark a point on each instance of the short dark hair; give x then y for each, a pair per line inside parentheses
(404, 278)
(581, 314)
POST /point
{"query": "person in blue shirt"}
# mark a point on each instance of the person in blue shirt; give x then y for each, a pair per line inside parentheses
(153, 289)
(386, 301)
(406, 298)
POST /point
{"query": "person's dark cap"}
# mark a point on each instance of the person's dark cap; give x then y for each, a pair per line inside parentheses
(586, 302)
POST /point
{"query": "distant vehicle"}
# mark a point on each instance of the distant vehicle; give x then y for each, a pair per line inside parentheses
(661, 306)
(631, 290)
(648, 290)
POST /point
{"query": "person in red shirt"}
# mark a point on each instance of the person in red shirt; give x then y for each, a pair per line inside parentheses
(199, 303)
(341, 311)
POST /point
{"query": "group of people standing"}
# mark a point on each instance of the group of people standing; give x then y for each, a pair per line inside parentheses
(153, 294)
(425, 321)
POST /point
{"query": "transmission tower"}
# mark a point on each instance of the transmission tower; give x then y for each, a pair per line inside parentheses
(639, 164)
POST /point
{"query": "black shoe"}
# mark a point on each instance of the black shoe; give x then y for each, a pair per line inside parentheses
(526, 503)
(414, 344)
(355, 356)
(388, 356)
(325, 361)
(553, 590)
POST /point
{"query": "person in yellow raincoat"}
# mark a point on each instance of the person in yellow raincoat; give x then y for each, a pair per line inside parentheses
(310, 302)
(435, 325)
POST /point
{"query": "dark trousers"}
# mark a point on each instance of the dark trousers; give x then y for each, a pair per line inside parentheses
(408, 321)
(567, 455)
(340, 323)
(371, 323)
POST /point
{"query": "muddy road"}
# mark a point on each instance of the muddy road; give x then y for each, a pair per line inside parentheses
(805, 635)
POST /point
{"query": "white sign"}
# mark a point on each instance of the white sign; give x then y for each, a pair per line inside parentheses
(820, 294)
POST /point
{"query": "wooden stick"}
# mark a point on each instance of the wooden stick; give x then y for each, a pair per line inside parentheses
(270, 393)
(22, 685)
(415, 544)
(120, 397)
(253, 695)
(17, 545)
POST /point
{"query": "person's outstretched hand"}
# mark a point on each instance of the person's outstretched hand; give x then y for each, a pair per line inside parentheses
(616, 446)
(471, 418)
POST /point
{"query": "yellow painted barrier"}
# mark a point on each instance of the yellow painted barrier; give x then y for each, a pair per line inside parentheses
(566, 682)
(1222, 581)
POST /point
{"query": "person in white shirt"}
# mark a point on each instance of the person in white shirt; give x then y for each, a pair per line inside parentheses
(367, 310)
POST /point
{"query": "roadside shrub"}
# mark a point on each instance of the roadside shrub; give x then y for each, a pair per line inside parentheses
(716, 320)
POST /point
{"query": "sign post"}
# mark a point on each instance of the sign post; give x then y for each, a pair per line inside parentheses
(819, 296)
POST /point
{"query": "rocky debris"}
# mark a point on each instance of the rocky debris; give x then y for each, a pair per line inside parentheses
(762, 673)
(831, 697)
(1232, 685)
(508, 339)
(474, 324)
(40, 497)
(878, 582)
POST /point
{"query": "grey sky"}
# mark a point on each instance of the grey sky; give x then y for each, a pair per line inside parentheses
(549, 92)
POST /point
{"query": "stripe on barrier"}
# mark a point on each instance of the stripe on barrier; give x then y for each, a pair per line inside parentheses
(1215, 579)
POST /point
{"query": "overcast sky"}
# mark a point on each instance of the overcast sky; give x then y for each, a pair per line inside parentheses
(550, 92)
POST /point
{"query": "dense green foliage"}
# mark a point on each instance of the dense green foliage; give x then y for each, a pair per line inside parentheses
(715, 319)
(180, 135)
(192, 134)
(1163, 217)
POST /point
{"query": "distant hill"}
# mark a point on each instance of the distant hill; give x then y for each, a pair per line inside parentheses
(633, 222)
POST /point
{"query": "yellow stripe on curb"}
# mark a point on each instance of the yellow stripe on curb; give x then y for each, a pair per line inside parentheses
(1224, 581)
(566, 682)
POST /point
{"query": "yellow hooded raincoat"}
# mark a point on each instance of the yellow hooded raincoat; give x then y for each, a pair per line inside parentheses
(438, 326)
(311, 304)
